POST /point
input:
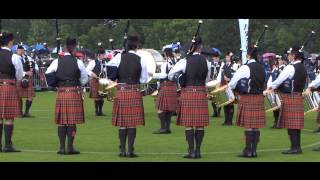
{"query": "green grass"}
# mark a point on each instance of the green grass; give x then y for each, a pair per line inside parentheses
(97, 139)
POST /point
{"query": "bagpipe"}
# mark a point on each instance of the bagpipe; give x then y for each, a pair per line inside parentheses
(51, 78)
(180, 77)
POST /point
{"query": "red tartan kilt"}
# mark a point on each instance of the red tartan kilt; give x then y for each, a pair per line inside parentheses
(9, 100)
(251, 113)
(193, 107)
(26, 92)
(128, 107)
(167, 99)
(292, 111)
(94, 88)
(69, 106)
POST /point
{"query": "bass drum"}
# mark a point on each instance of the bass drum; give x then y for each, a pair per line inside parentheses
(151, 57)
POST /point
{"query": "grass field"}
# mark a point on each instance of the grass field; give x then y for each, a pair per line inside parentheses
(98, 141)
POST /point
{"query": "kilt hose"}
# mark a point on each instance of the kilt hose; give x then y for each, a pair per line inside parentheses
(167, 99)
(251, 113)
(193, 107)
(9, 100)
(69, 106)
(26, 92)
(128, 106)
(291, 111)
(94, 88)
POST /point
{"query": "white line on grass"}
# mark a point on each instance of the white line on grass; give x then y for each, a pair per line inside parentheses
(159, 153)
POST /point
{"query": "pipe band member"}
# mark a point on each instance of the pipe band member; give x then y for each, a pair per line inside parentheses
(291, 83)
(129, 69)
(167, 99)
(193, 111)
(71, 74)
(248, 81)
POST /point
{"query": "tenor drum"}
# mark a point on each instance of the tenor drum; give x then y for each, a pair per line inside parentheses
(273, 102)
(311, 101)
(223, 96)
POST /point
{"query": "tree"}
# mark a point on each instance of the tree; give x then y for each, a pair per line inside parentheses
(41, 31)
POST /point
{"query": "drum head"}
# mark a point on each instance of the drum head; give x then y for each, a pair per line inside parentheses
(151, 60)
(212, 83)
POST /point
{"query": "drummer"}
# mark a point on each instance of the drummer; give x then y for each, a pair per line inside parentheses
(291, 83)
(314, 85)
(94, 69)
(167, 99)
(225, 74)
(216, 65)
(274, 63)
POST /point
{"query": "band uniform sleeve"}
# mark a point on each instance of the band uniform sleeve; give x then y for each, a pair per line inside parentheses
(115, 61)
(180, 66)
(220, 72)
(36, 66)
(18, 66)
(84, 76)
(209, 71)
(315, 83)
(287, 72)
(269, 81)
(90, 67)
(144, 71)
(242, 72)
(53, 67)
(162, 74)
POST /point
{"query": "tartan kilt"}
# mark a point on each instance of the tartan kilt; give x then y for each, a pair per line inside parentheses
(26, 92)
(128, 106)
(193, 107)
(94, 88)
(9, 100)
(292, 111)
(251, 113)
(167, 99)
(69, 106)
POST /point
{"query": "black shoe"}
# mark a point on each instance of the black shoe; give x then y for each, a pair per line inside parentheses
(293, 151)
(72, 151)
(27, 115)
(61, 151)
(132, 155)
(226, 124)
(316, 149)
(197, 154)
(254, 154)
(247, 154)
(190, 156)
(317, 130)
(160, 131)
(122, 154)
(10, 149)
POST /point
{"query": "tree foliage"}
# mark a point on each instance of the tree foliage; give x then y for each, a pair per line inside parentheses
(155, 33)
